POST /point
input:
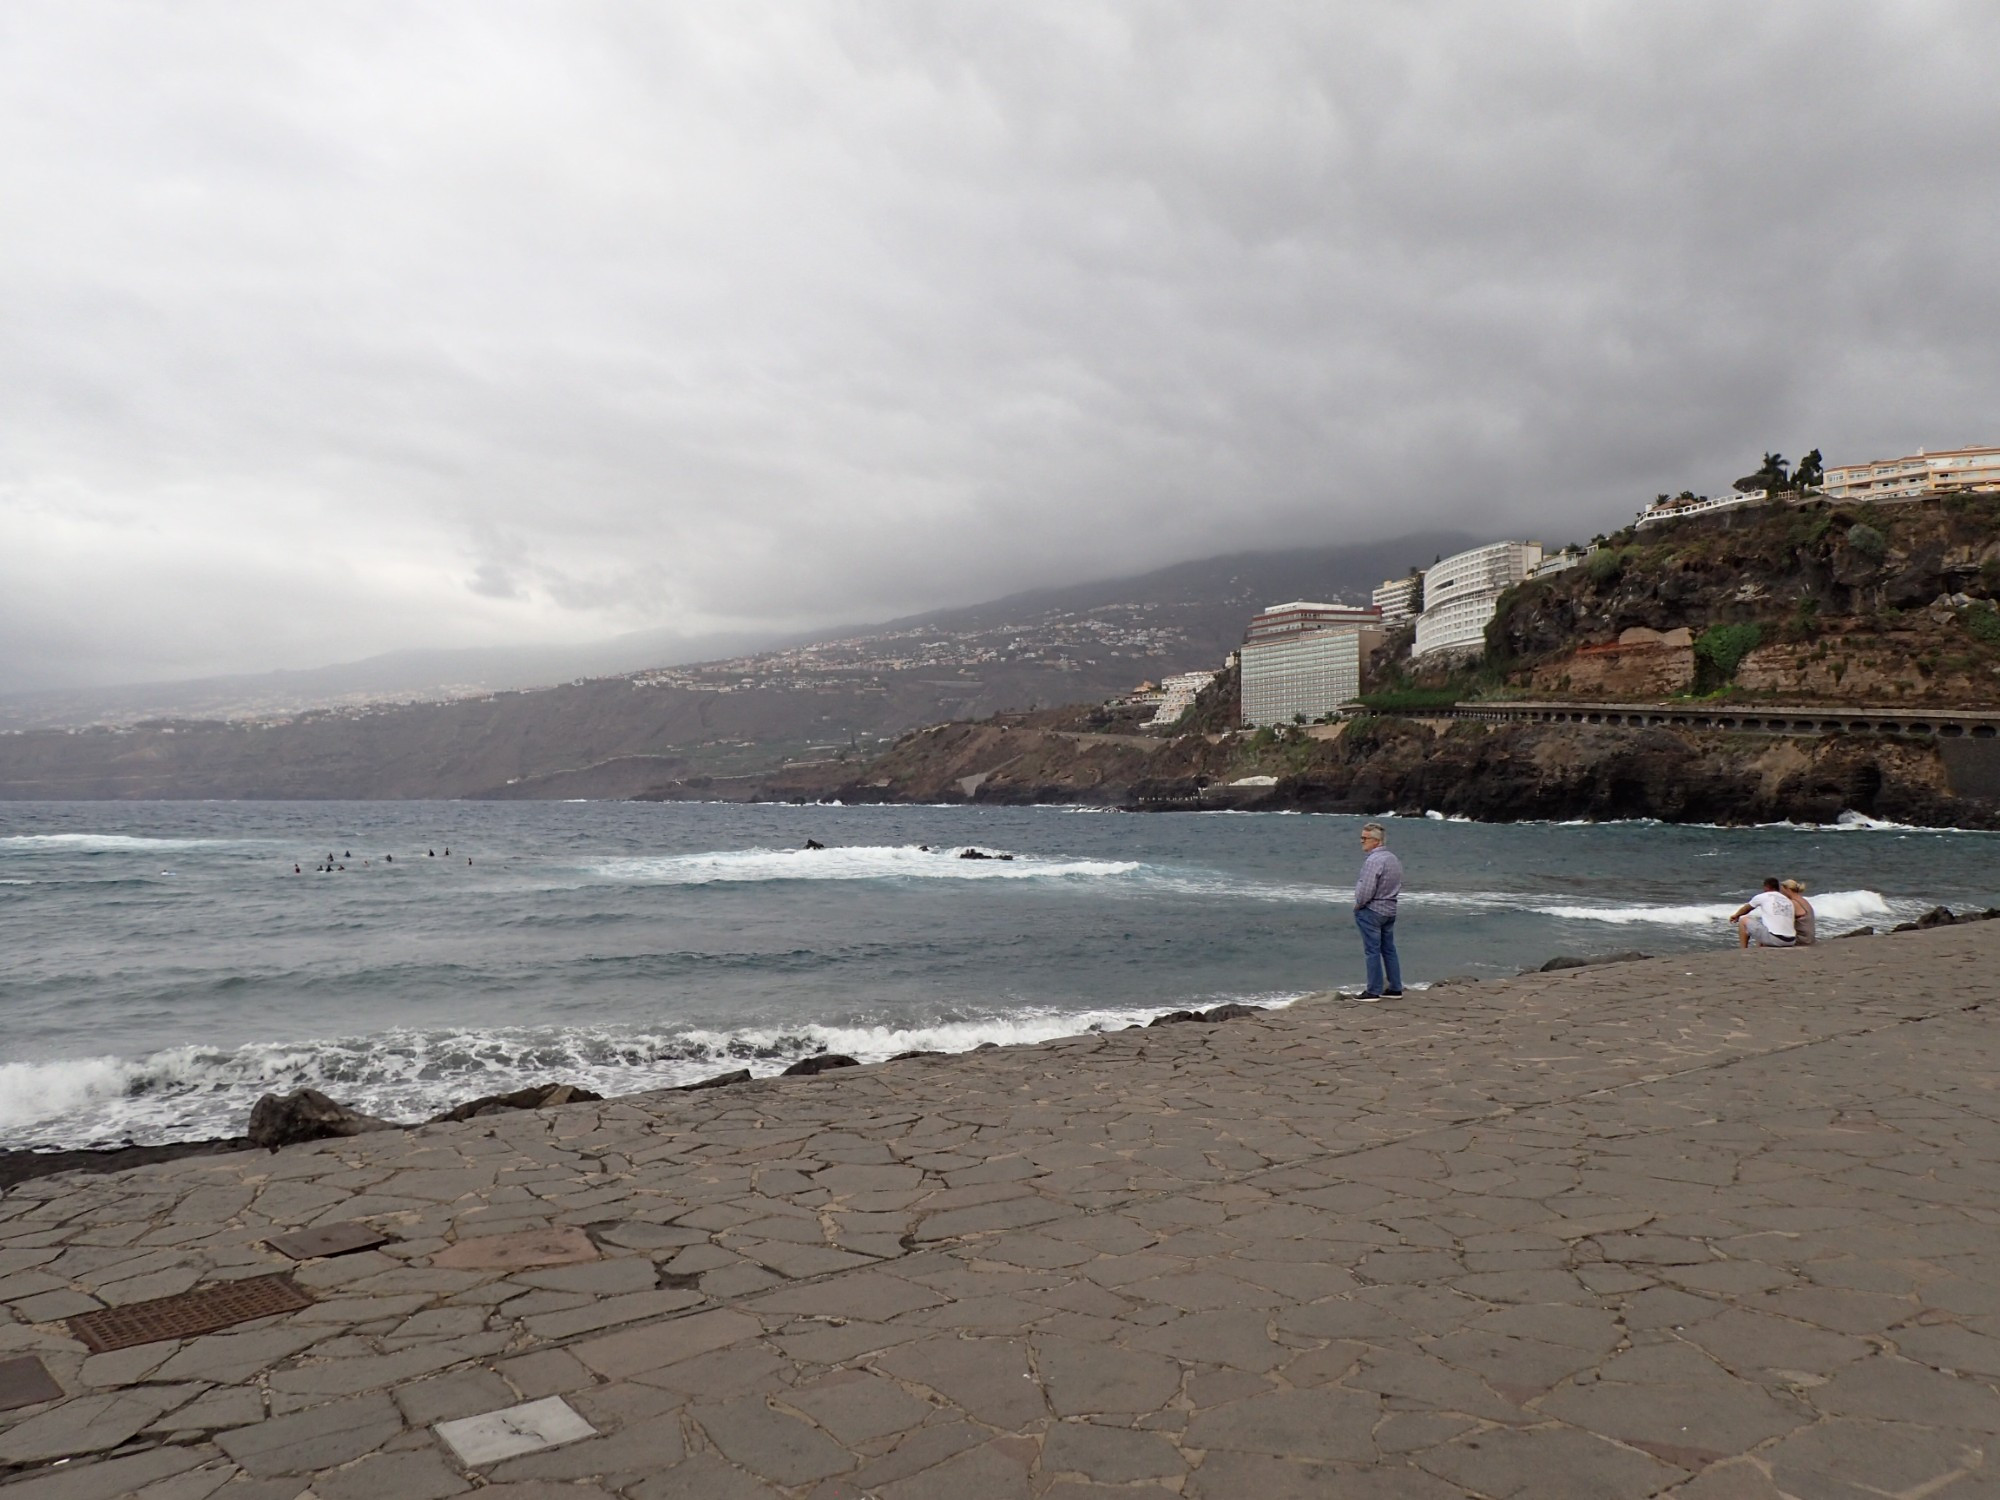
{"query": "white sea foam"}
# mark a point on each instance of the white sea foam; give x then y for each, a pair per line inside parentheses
(1834, 909)
(104, 843)
(190, 1092)
(858, 862)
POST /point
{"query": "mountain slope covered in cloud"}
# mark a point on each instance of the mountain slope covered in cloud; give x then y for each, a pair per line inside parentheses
(1063, 645)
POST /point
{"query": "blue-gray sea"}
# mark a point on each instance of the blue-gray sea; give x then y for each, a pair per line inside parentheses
(161, 964)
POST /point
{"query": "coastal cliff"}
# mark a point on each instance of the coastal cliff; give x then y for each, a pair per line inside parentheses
(1820, 603)
(1406, 765)
(1887, 606)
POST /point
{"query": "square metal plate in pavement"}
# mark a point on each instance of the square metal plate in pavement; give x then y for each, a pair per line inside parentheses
(534, 1425)
(328, 1239)
(25, 1382)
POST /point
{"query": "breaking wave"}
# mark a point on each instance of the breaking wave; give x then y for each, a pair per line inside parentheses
(185, 1093)
(860, 862)
(105, 843)
(1835, 909)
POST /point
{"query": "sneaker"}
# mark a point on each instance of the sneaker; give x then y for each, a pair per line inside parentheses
(1367, 998)
(1392, 994)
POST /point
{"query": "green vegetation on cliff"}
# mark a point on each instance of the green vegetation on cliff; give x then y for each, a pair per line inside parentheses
(1812, 603)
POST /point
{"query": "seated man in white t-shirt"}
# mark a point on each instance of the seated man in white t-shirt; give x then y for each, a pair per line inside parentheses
(1766, 920)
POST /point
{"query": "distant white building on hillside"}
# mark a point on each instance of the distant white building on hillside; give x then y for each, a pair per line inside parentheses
(1680, 507)
(1397, 599)
(1921, 474)
(1460, 594)
(1304, 659)
(1561, 562)
(1177, 695)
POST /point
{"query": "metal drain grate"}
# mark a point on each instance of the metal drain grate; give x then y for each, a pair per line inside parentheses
(203, 1310)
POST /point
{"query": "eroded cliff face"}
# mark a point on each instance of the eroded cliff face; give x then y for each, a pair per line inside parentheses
(1490, 772)
(1881, 604)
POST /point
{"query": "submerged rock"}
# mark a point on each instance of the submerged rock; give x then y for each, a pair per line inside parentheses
(826, 1062)
(306, 1115)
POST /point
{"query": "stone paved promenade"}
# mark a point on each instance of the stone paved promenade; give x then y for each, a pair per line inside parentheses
(1725, 1228)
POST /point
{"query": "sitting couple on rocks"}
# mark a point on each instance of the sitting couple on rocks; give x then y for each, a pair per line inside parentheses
(1779, 916)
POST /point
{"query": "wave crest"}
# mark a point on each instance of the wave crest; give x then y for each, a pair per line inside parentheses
(857, 862)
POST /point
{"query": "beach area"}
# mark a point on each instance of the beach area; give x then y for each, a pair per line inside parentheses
(1708, 1225)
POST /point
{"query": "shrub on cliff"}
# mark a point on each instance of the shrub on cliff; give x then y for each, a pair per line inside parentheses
(1719, 651)
(1866, 540)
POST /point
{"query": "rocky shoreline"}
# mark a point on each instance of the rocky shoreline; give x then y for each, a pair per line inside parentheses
(1498, 773)
(308, 1115)
(1692, 1226)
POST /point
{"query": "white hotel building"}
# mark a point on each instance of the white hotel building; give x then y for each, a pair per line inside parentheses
(1305, 659)
(1460, 594)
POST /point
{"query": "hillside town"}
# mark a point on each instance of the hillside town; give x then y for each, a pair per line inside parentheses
(1302, 660)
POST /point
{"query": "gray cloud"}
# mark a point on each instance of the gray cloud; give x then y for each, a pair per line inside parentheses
(325, 330)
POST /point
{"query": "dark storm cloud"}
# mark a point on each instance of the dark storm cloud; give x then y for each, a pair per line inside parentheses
(330, 329)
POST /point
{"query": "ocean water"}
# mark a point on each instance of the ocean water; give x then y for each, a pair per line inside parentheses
(161, 964)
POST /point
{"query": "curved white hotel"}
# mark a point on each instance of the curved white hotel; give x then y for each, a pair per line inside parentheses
(1460, 593)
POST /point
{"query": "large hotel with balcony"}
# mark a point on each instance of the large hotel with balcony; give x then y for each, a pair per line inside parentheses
(1919, 476)
(1303, 660)
(1460, 594)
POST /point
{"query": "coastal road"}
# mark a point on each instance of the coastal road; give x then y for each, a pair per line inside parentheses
(1723, 1227)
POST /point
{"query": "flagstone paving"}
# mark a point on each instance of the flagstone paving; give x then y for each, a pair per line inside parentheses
(1724, 1228)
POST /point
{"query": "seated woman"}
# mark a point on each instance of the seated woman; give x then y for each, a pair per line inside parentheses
(1804, 921)
(1766, 920)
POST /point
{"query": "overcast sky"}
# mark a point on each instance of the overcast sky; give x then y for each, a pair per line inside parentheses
(331, 328)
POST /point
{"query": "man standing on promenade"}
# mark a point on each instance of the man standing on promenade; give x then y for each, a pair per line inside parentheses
(1375, 896)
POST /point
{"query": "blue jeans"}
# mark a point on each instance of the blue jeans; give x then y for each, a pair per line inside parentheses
(1378, 941)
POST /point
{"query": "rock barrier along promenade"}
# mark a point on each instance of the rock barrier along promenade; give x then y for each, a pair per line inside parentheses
(1724, 1227)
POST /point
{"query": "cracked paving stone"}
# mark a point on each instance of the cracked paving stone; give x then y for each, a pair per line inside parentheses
(1088, 1379)
(989, 1379)
(317, 1438)
(858, 1407)
(1326, 1423)
(775, 1445)
(1109, 1455)
(1548, 1462)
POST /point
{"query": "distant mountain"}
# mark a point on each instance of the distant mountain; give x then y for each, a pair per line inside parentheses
(418, 675)
(1212, 599)
(624, 733)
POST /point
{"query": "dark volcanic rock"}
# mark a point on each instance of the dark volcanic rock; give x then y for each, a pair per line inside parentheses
(826, 1062)
(1937, 916)
(1231, 1012)
(25, 1166)
(719, 1081)
(1564, 961)
(1217, 1013)
(537, 1096)
(906, 1056)
(306, 1115)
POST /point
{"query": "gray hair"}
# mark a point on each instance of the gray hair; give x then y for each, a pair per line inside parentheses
(1376, 829)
